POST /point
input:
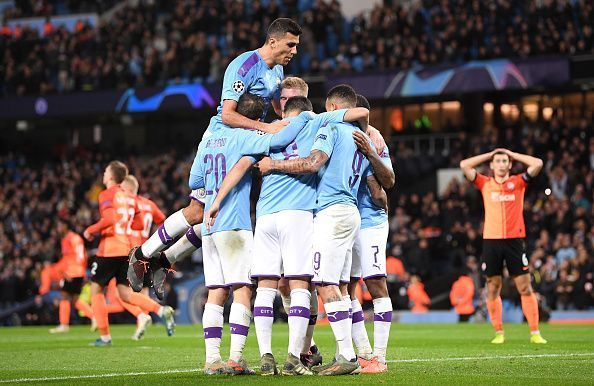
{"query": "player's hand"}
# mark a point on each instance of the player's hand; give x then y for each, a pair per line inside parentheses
(264, 166)
(211, 215)
(276, 126)
(377, 139)
(362, 142)
(88, 235)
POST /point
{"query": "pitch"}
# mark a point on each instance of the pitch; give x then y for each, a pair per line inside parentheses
(417, 354)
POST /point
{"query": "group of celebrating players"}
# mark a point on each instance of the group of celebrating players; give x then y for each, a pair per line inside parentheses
(321, 222)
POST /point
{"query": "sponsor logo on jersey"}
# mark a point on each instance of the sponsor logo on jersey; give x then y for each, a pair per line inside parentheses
(500, 197)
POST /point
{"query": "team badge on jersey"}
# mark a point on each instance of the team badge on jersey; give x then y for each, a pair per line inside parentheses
(238, 86)
(510, 185)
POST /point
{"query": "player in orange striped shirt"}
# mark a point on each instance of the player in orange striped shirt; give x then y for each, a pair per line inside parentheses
(146, 213)
(71, 270)
(504, 232)
(116, 208)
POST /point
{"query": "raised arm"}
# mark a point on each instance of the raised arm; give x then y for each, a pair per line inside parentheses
(232, 118)
(468, 165)
(384, 174)
(308, 165)
(359, 115)
(378, 194)
(534, 164)
(229, 182)
(376, 138)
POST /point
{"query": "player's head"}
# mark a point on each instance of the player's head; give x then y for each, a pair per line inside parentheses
(130, 185)
(115, 172)
(296, 105)
(290, 87)
(500, 164)
(283, 38)
(251, 106)
(363, 102)
(342, 96)
(63, 226)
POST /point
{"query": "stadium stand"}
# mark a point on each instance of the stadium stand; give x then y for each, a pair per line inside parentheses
(156, 42)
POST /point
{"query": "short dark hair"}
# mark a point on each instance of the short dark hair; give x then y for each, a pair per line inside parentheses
(250, 106)
(119, 171)
(343, 93)
(363, 102)
(281, 26)
(500, 153)
(298, 103)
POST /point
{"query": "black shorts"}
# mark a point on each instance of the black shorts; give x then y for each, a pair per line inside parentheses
(148, 279)
(73, 286)
(104, 269)
(512, 251)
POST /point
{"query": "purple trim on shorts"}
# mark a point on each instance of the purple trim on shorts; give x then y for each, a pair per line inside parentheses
(213, 332)
(313, 319)
(356, 277)
(337, 316)
(374, 276)
(383, 317)
(344, 281)
(358, 317)
(299, 311)
(238, 329)
(242, 283)
(297, 276)
(323, 283)
(263, 311)
(216, 286)
(248, 64)
(196, 199)
(163, 235)
(267, 276)
(193, 238)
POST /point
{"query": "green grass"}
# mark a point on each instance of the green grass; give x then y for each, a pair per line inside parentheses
(421, 353)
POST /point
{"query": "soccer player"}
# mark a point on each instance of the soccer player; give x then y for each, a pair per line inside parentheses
(111, 260)
(72, 268)
(146, 212)
(286, 203)
(341, 167)
(227, 246)
(369, 257)
(504, 232)
(258, 72)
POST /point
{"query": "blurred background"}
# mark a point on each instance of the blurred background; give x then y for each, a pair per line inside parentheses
(85, 82)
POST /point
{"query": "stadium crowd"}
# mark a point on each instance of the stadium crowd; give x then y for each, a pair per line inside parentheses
(157, 42)
(432, 235)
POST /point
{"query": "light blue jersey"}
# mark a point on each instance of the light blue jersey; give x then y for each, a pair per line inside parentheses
(340, 177)
(250, 73)
(371, 214)
(294, 191)
(216, 156)
(218, 153)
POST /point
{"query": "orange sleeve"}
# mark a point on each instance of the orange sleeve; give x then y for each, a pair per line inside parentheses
(108, 218)
(480, 180)
(158, 215)
(453, 296)
(520, 180)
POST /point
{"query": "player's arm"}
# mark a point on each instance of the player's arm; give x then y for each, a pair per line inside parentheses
(378, 194)
(229, 182)
(534, 164)
(158, 215)
(308, 165)
(384, 174)
(287, 135)
(468, 165)
(232, 118)
(108, 218)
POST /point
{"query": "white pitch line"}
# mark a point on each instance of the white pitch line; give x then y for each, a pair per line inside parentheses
(181, 371)
(109, 375)
(527, 356)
